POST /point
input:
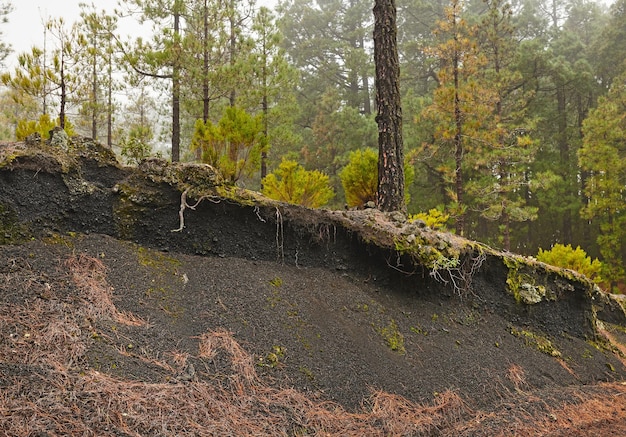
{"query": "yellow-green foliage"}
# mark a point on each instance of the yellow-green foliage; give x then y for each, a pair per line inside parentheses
(43, 126)
(234, 145)
(573, 259)
(360, 177)
(292, 183)
(393, 337)
(273, 358)
(434, 218)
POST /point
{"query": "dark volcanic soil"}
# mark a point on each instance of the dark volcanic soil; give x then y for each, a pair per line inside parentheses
(101, 287)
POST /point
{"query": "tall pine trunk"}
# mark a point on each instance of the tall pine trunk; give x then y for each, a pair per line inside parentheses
(390, 195)
(176, 93)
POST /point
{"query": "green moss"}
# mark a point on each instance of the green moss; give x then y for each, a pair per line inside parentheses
(11, 230)
(537, 341)
(8, 158)
(522, 283)
(419, 330)
(157, 260)
(126, 216)
(240, 196)
(62, 240)
(274, 299)
(135, 198)
(307, 373)
(363, 307)
(421, 252)
(393, 337)
(163, 270)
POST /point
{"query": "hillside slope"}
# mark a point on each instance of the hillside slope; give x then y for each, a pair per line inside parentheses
(247, 316)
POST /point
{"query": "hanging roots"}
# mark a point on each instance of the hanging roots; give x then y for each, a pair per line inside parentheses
(184, 205)
(280, 237)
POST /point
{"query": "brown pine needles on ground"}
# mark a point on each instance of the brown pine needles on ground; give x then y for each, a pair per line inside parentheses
(53, 393)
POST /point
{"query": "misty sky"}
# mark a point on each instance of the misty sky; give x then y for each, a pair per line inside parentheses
(25, 26)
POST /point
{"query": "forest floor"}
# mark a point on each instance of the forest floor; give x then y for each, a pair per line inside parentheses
(106, 336)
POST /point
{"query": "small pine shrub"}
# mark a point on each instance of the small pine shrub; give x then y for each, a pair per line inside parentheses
(573, 259)
(43, 126)
(290, 182)
(233, 145)
(360, 177)
(136, 146)
(434, 219)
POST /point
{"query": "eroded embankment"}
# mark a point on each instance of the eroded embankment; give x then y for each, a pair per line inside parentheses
(402, 307)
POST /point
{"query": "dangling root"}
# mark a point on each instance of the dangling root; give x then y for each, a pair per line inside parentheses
(184, 205)
(280, 237)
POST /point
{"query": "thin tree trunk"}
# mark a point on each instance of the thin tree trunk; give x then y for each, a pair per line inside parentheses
(205, 73)
(205, 64)
(565, 157)
(458, 146)
(390, 195)
(233, 47)
(367, 104)
(63, 94)
(176, 94)
(94, 95)
(110, 102)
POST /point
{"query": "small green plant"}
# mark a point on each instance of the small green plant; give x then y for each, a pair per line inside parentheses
(234, 145)
(291, 183)
(136, 146)
(394, 338)
(272, 359)
(435, 218)
(363, 307)
(573, 259)
(276, 282)
(419, 330)
(43, 126)
(359, 177)
(307, 373)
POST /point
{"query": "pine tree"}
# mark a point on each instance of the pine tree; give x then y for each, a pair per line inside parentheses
(459, 106)
(328, 42)
(161, 58)
(274, 79)
(42, 75)
(603, 155)
(502, 148)
(97, 85)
